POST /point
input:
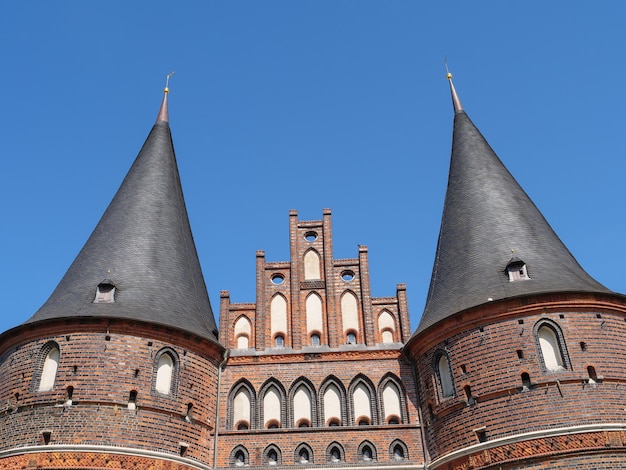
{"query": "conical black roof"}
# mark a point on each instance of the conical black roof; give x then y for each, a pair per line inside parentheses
(489, 222)
(143, 246)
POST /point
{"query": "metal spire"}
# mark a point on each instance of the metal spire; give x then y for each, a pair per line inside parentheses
(456, 102)
(163, 115)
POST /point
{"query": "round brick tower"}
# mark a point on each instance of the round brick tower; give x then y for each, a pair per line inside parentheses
(119, 368)
(520, 353)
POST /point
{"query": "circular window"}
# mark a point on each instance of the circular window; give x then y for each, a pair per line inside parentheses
(347, 275)
(310, 236)
(277, 279)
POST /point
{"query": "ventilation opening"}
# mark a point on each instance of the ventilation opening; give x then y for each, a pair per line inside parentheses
(583, 346)
(132, 400)
(183, 448)
(303, 423)
(46, 435)
(334, 422)
(363, 421)
(526, 383)
(69, 393)
(188, 416)
(593, 377)
(468, 395)
(463, 369)
(105, 292)
(520, 354)
(481, 434)
(517, 271)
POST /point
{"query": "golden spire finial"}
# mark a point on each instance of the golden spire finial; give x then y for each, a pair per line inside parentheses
(448, 74)
(167, 82)
(456, 102)
(163, 114)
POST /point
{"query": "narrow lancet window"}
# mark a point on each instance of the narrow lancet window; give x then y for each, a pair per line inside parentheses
(49, 370)
(445, 376)
(165, 371)
(550, 350)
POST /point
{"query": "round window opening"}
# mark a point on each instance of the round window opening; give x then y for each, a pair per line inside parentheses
(347, 275)
(277, 279)
(310, 236)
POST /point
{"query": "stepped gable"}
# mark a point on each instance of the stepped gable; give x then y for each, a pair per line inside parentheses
(488, 224)
(141, 254)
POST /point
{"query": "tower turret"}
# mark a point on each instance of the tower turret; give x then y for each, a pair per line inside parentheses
(512, 354)
(119, 366)
(490, 226)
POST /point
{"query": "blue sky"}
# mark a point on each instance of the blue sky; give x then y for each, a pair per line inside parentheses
(280, 105)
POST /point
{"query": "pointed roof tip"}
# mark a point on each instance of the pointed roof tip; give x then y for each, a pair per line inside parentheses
(456, 102)
(163, 113)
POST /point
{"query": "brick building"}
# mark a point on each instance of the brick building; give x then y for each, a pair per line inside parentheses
(517, 361)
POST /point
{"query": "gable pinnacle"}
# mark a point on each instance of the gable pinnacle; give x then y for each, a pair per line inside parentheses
(163, 114)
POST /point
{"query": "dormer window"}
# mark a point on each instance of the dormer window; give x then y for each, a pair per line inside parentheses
(105, 293)
(517, 271)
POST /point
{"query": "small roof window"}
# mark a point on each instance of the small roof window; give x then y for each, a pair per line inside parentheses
(105, 292)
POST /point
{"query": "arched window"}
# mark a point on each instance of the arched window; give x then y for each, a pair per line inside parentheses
(303, 455)
(272, 455)
(398, 450)
(302, 407)
(362, 403)
(242, 404)
(351, 337)
(311, 265)
(550, 349)
(315, 339)
(271, 408)
(239, 456)
(391, 403)
(242, 332)
(386, 327)
(349, 312)
(278, 317)
(50, 367)
(314, 322)
(164, 374)
(332, 398)
(444, 374)
(366, 452)
(335, 453)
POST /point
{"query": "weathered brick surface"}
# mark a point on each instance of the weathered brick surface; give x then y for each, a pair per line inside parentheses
(87, 460)
(344, 367)
(370, 359)
(483, 350)
(104, 361)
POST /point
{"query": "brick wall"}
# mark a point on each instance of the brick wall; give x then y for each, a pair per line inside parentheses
(344, 367)
(489, 349)
(104, 361)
